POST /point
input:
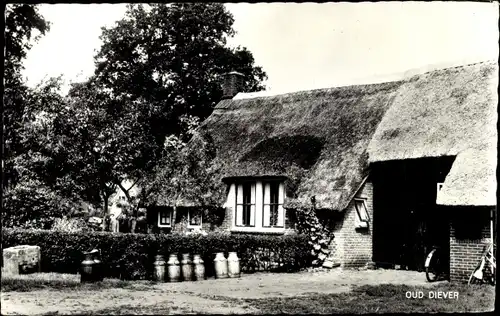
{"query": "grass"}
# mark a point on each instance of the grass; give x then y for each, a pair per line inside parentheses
(134, 310)
(59, 281)
(385, 298)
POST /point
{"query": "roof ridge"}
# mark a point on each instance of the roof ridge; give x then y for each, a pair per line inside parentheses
(310, 91)
(420, 71)
(400, 77)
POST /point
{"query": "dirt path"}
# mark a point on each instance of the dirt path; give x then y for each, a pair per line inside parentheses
(123, 300)
(205, 297)
(267, 284)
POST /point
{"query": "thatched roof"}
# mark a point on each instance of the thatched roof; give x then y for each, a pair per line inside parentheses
(472, 179)
(323, 132)
(331, 135)
(439, 113)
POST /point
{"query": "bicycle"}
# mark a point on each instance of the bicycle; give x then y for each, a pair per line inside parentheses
(478, 275)
(435, 265)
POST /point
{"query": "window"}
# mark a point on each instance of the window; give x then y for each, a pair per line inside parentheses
(258, 205)
(194, 218)
(245, 205)
(361, 218)
(273, 205)
(165, 218)
(439, 186)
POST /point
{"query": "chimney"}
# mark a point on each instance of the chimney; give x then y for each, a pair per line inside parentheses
(232, 84)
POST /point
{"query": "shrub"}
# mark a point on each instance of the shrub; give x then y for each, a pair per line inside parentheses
(131, 256)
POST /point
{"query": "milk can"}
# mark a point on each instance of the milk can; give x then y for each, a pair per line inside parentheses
(87, 268)
(98, 273)
(187, 267)
(159, 265)
(199, 268)
(233, 265)
(174, 269)
(220, 266)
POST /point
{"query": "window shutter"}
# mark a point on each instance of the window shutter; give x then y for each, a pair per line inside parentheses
(239, 215)
(281, 212)
(361, 214)
(357, 219)
(239, 207)
(364, 212)
(267, 209)
(239, 194)
(252, 201)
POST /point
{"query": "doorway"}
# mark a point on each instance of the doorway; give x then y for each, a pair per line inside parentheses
(407, 223)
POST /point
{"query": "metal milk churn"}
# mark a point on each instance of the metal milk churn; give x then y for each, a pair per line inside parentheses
(87, 268)
(233, 265)
(187, 267)
(174, 269)
(220, 266)
(199, 268)
(98, 273)
(159, 264)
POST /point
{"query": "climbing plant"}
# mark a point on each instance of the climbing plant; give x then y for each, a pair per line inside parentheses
(305, 215)
(319, 232)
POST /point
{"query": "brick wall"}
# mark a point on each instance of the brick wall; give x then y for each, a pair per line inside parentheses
(228, 220)
(353, 247)
(469, 233)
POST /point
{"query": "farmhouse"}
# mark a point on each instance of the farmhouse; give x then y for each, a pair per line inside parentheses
(397, 166)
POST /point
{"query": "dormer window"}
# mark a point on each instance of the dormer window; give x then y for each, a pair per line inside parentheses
(258, 205)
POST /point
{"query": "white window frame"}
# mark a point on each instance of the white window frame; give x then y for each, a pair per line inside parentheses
(253, 196)
(279, 204)
(258, 217)
(170, 213)
(189, 225)
(359, 222)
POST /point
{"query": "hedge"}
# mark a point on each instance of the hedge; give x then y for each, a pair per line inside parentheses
(131, 256)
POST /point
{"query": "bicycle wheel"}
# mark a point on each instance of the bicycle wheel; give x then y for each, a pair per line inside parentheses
(432, 270)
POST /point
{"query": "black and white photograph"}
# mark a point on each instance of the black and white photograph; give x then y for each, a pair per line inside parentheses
(249, 158)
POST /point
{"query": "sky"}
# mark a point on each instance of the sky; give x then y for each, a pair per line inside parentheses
(300, 46)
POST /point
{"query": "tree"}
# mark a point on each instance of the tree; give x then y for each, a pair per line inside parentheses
(22, 23)
(157, 74)
(27, 200)
(171, 57)
(98, 141)
(187, 173)
(37, 196)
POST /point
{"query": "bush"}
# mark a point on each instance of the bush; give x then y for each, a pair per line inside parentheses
(131, 256)
(31, 204)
